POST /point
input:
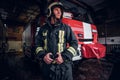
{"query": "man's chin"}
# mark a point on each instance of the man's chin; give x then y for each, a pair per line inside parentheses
(58, 17)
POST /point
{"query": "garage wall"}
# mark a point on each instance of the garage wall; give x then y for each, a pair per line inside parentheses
(109, 29)
(15, 38)
(109, 40)
(26, 36)
(15, 45)
(109, 34)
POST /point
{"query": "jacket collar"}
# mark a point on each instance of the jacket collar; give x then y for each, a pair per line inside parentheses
(57, 24)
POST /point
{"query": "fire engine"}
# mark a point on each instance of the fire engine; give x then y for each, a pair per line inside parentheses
(87, 36)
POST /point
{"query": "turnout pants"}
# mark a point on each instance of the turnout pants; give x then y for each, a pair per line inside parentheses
(57, 71)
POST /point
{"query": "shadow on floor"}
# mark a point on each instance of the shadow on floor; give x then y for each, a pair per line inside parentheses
(16, 67)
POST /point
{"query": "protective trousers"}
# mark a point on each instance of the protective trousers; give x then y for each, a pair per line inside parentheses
(57, 72)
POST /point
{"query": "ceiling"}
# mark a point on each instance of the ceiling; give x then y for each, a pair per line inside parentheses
(20, 12)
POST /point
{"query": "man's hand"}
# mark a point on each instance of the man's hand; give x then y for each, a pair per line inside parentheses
(59, 59)
(47, 58)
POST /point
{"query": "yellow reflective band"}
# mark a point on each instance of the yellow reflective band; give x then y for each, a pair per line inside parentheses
(61, 41)
(54, 62)
(72, 50)
(45, 42)
(39, 49)
(62, 37)
(60, 47)
(45, 33)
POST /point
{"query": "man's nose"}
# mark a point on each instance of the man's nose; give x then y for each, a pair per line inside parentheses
(59, 11)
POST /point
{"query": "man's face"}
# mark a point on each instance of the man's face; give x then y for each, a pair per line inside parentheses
(57, 12)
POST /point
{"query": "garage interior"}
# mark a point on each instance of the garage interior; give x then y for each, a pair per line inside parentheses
(21, 19)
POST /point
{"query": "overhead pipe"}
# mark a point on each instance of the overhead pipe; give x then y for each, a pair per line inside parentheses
(84, 6)
(81, 4)
(56, 0)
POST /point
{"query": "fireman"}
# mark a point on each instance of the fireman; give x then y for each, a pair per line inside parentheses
(51, 45)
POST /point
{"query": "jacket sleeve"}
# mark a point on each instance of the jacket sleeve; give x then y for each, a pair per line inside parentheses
(39, 50)
(73, 44)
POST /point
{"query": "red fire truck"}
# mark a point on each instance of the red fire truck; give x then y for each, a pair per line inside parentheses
(87, 37)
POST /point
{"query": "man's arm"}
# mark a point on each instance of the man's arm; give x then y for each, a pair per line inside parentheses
(40, 52)
(73, 45)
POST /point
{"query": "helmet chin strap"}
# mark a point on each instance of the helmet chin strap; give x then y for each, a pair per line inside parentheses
(53, 20)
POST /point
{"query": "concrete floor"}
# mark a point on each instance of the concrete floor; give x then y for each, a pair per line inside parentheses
(17, 67)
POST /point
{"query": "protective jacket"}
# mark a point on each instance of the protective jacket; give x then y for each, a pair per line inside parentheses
(56, 38)
(53, 39)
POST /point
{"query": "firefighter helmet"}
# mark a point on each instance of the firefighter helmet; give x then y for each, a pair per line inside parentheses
(51, 7)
